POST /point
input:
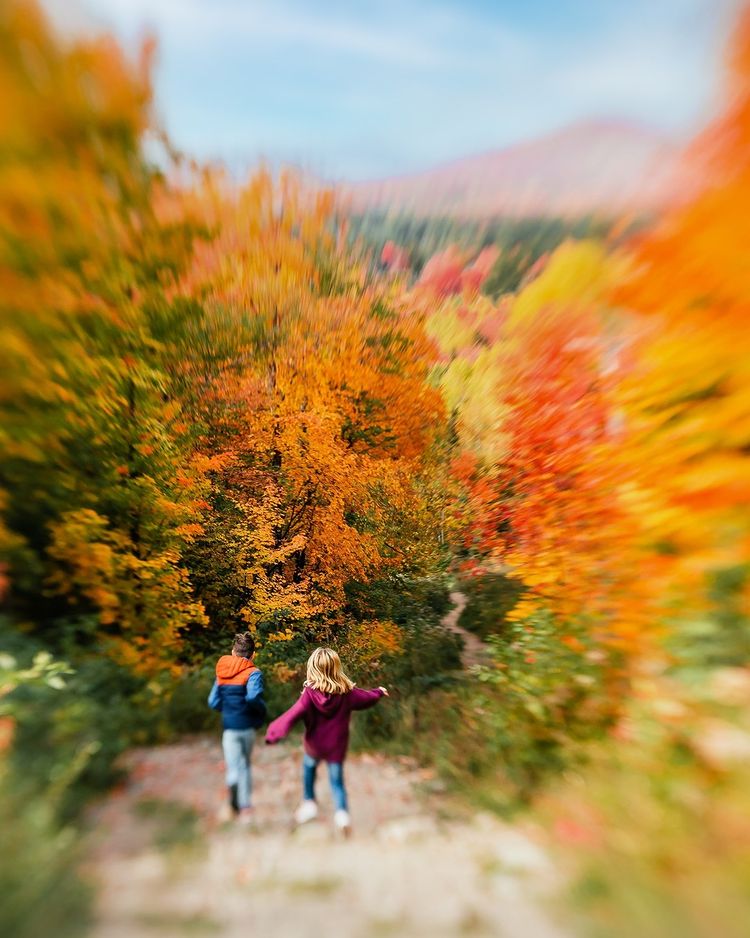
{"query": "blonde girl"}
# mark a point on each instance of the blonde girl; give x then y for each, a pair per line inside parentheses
(325, 706)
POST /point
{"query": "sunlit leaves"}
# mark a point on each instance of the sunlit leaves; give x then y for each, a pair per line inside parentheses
(341, 411)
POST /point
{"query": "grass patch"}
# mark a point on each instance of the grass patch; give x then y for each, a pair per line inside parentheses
(174, 825)
(187, 924)
(321, 886)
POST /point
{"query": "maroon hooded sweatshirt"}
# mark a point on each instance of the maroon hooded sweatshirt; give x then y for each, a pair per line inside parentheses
(326, 718)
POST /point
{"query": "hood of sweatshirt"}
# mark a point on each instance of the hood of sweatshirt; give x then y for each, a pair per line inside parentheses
(327, 704)
(230, 669)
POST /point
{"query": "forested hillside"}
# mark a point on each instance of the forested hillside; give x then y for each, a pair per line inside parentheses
(521, 243)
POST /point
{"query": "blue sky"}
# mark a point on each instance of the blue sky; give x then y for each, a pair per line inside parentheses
(357, 90)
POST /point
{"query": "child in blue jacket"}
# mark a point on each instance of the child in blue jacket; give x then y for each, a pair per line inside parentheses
(238, 694)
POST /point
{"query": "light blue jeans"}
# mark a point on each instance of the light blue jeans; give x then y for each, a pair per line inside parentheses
(335, 777)
(238, 748)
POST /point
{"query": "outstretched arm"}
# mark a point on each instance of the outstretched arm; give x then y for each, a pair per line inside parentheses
(281, 726)
(214, 698)
(363, 699)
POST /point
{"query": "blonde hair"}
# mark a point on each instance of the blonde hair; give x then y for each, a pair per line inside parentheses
(324, 672)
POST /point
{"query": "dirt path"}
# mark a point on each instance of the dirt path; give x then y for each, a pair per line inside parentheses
(474, 651)
(416, 863)
(412, 867)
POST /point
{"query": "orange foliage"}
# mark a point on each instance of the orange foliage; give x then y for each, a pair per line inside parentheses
(618, 485)
(547, 508)
(341, 412)
(688, 398)
(199, 375)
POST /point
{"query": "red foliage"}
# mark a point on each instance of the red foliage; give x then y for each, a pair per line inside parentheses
(443, 272)
(475, 274)
(394, 257)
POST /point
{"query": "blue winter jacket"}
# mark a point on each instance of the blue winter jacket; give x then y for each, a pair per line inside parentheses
(238, 693)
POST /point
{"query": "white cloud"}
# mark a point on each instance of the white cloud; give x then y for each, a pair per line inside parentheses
(258, 23)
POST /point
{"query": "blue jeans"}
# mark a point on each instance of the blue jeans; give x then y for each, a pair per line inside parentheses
(238, 747)
(335, 777)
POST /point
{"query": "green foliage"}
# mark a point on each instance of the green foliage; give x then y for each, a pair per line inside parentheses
(184, 709)
(85, 723)
(428, 660)
(720, 637)
(489, 599)
(400, 599)
(69, 725)
(72, 722)
(499, 732)
(42, 892)
(428, 656)
(522, 242)
(546, 692)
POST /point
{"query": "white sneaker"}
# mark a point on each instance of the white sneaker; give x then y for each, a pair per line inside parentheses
(342, 821)
(307, 811)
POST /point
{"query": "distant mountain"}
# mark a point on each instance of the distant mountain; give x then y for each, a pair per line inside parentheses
(597, 166)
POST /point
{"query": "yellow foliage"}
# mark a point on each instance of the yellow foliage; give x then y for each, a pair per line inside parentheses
(367, 642)
(688, 397)
(579, 273)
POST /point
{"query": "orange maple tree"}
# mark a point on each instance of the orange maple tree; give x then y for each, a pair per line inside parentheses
(337, 414)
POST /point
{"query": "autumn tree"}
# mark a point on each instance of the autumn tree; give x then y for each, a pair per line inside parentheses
(318, 488)
(102, 489)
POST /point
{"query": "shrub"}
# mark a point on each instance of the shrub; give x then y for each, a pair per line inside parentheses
(98, 711)
(185, 707)
(498, 732)
(41, 891)
(489, 600)
(427, 660)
